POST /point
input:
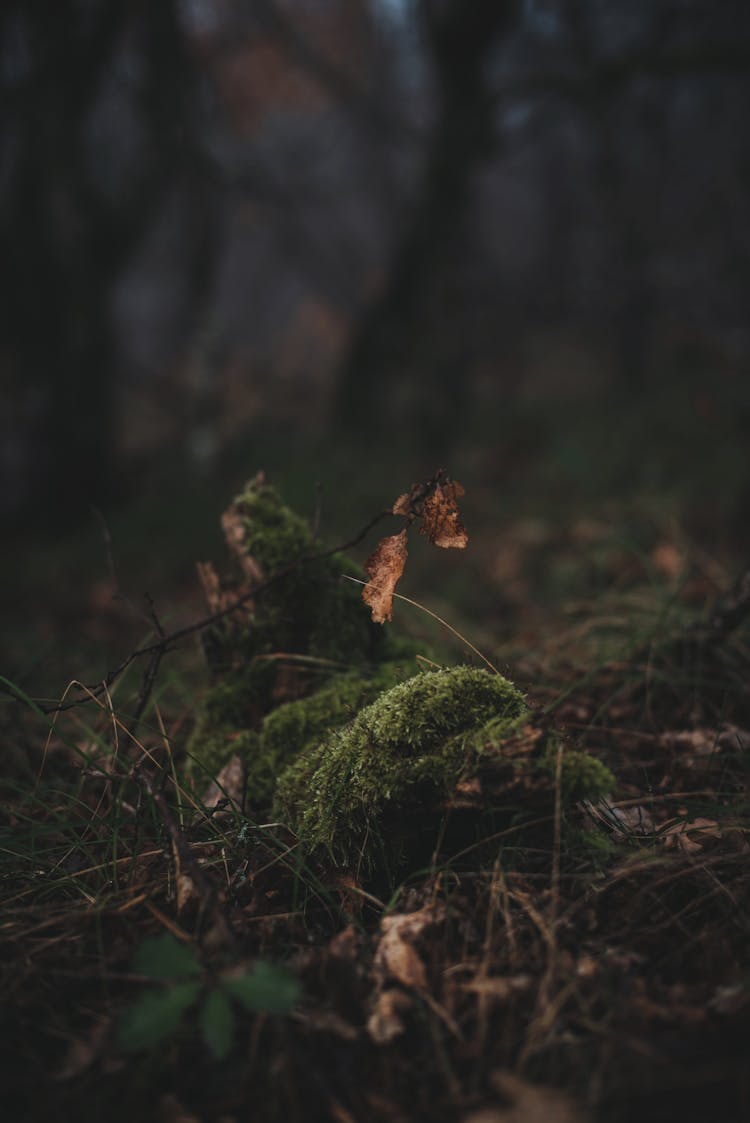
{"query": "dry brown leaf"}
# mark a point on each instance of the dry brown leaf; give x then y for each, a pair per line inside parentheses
(395, 956)
(699, 742)
(384, 568)
(402, 506)
(440, 518)
(229, 784)
(216, 599)
(667, 560)
(233, 526)
(385, 1021)
(185, 892)
(401, 961)
(690, 837)
(623, 822)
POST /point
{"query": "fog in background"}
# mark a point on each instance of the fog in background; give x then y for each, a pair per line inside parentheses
(388, 220)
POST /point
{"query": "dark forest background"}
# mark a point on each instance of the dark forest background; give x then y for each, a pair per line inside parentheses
(489, 235)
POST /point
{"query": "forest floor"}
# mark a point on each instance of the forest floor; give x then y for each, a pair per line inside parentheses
(168, 962)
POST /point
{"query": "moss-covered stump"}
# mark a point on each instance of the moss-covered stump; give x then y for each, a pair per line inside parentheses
(357, 793)
(308, 609)
(339, 737)
(299, 660)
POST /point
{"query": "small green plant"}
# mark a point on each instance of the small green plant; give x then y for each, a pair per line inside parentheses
(157, 1014)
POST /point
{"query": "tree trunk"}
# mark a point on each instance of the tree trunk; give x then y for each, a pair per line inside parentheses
(392, 354)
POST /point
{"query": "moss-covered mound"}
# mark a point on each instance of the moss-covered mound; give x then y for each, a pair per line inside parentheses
(412, 743)
(339, 737)
(300, 660)
(309, 609)
(293, 726)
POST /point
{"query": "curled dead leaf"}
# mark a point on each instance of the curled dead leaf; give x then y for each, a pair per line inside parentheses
(440, 518)
(384, 568)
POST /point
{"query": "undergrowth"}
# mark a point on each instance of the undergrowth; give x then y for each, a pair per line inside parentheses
(173, 950)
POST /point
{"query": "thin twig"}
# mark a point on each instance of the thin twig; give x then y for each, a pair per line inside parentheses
(439, 619)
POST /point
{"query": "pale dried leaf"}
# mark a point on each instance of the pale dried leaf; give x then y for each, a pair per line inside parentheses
(440, 518)
(185, 891)
(235, 534)
(667, 560)
(499, 987)
(401, 961)
(396, 956)
(384, 568)
(402, 506)
(385, 1022)
(690, 837)
(229, 784)
(216, 598)
(700, 742)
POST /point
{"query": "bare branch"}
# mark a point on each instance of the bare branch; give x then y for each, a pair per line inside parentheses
(166, 641)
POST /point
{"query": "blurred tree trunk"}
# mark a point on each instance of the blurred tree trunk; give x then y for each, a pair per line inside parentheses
(393, 352)
(629, 287)
(64, 239)
(55, 308)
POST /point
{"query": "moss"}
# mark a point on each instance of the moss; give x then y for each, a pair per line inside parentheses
(311, 610)
(415, 740)
(231, 708)
(232, 704)
(273, 534)
(582, 775)
(285, 731)
(288, 729)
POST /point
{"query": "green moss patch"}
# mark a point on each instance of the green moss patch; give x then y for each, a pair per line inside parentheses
(412, 743)
(582, 776)
(310, 610)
